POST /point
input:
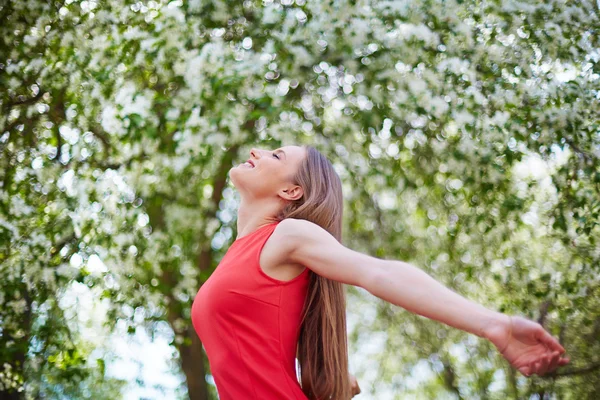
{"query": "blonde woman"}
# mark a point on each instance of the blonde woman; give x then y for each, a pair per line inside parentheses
(278, 292)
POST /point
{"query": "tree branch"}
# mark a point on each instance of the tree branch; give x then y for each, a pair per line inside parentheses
(543, 312)
(575, 371)
(30, 100)
(587, 157)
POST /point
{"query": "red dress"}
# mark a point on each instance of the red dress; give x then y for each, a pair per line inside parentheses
(249, 323)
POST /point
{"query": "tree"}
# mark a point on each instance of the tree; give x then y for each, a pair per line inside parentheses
(120, 121)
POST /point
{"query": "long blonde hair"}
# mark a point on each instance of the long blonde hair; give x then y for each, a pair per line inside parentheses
(322, 342)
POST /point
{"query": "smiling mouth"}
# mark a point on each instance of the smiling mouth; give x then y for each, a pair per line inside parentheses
(248, 164)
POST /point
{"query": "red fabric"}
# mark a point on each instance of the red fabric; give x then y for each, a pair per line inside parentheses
(249, 323)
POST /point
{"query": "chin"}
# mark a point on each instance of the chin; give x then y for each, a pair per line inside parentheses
(233, 176)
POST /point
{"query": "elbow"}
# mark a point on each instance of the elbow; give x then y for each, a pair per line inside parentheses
(375, 276)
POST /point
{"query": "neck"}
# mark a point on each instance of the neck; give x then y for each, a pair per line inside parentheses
(253, 215)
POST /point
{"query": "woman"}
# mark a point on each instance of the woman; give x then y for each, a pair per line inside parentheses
(278, 292)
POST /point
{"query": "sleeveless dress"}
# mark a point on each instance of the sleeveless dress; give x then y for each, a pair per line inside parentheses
(249, 322)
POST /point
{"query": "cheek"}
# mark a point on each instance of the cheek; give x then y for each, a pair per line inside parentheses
(271, 177)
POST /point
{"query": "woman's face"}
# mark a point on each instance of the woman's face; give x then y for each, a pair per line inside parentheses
(271, 173)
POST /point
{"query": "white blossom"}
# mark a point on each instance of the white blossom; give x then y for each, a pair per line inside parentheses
(111, 122)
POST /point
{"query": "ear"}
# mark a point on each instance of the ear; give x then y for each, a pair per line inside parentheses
(293, 192)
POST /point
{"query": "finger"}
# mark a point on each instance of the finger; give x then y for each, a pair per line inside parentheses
(535, 369)
(530, 369)
(525, 370)
(557, 361)
(553, 361)
(544, 364)
(549, 341)
(564, 361)
(541, 365)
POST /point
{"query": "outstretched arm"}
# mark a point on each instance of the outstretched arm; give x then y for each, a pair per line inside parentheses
(524, 343)
(409, 287)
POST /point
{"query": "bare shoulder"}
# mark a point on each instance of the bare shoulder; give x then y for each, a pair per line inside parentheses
(287, 234)
(310, 245)
(298, 227)
(298, 232)
(284, 236)
(274, 258)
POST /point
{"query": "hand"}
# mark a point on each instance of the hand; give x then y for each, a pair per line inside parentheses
(526, 345)
(354, 383)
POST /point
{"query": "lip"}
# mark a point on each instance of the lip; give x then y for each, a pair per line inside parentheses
(251, 162)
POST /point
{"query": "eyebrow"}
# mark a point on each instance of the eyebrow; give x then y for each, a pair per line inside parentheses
(281, 151)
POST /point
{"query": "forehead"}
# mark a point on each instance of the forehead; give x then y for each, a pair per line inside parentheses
(292, 151)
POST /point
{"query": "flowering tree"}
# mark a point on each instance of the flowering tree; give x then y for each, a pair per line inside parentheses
(466, 134)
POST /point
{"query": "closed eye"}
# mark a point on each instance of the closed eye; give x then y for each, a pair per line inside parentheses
(276, 156)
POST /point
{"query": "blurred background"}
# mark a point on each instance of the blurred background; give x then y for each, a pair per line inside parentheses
(466, 134)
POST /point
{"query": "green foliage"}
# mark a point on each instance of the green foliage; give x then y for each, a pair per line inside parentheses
(465, 132)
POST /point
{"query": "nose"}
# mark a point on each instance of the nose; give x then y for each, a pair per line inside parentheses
(254, 153)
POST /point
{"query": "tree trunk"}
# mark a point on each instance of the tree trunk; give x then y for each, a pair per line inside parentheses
(22, 344)
(192, 356)
(192, 364)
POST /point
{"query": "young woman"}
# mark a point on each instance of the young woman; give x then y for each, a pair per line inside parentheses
(278, 292)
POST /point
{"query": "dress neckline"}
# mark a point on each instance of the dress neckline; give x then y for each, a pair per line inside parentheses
(253, 232)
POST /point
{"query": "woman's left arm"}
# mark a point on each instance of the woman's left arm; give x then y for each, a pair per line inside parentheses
(524, 343)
